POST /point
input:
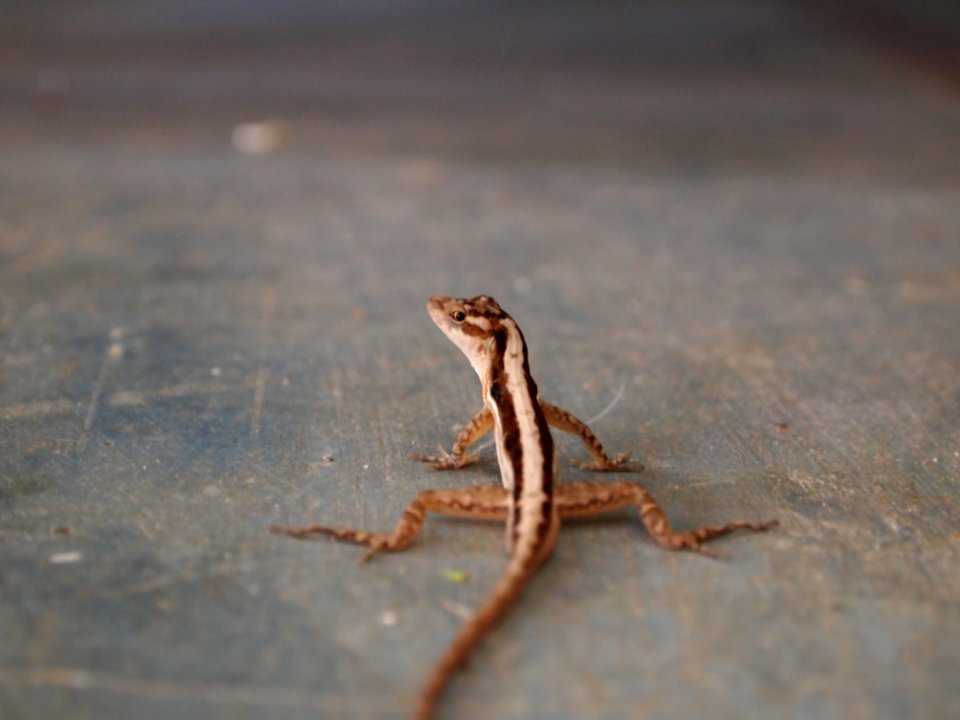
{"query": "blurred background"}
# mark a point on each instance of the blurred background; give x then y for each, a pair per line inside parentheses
(693, 84)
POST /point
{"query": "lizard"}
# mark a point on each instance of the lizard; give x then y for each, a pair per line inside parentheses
(531, 501)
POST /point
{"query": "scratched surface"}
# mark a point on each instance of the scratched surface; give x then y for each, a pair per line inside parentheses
(730, 222)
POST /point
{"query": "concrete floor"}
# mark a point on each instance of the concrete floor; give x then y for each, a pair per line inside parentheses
(730, 221)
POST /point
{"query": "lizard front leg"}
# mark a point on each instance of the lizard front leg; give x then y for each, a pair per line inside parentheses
(486, 502)
(570, 423)
(556, 416)
(457, 458)
(579, 499)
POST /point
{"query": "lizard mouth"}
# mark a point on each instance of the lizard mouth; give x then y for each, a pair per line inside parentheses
(435, 307)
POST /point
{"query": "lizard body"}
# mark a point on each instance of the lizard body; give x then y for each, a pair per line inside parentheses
(529, 499)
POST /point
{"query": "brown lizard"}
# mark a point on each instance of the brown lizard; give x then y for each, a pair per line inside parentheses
(531, 500)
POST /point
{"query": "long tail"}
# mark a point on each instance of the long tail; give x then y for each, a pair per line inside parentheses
(522, 565)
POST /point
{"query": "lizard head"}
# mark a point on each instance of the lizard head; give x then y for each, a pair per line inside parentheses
(471, 325)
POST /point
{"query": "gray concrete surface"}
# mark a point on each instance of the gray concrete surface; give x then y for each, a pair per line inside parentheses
(736, 223)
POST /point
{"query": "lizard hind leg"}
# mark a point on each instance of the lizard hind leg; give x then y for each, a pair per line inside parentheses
(407, 529)
(483, 503)
(656, 523)
(579, 499)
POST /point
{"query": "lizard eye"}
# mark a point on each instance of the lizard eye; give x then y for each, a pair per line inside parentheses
(458, 316)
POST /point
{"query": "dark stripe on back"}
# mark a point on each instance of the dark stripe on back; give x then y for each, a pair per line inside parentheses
(543, 430)
(546, 445)
(508, 413)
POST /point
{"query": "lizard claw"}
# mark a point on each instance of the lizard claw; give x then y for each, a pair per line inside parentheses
(444, 460)
(618, 464)
(712, 554)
